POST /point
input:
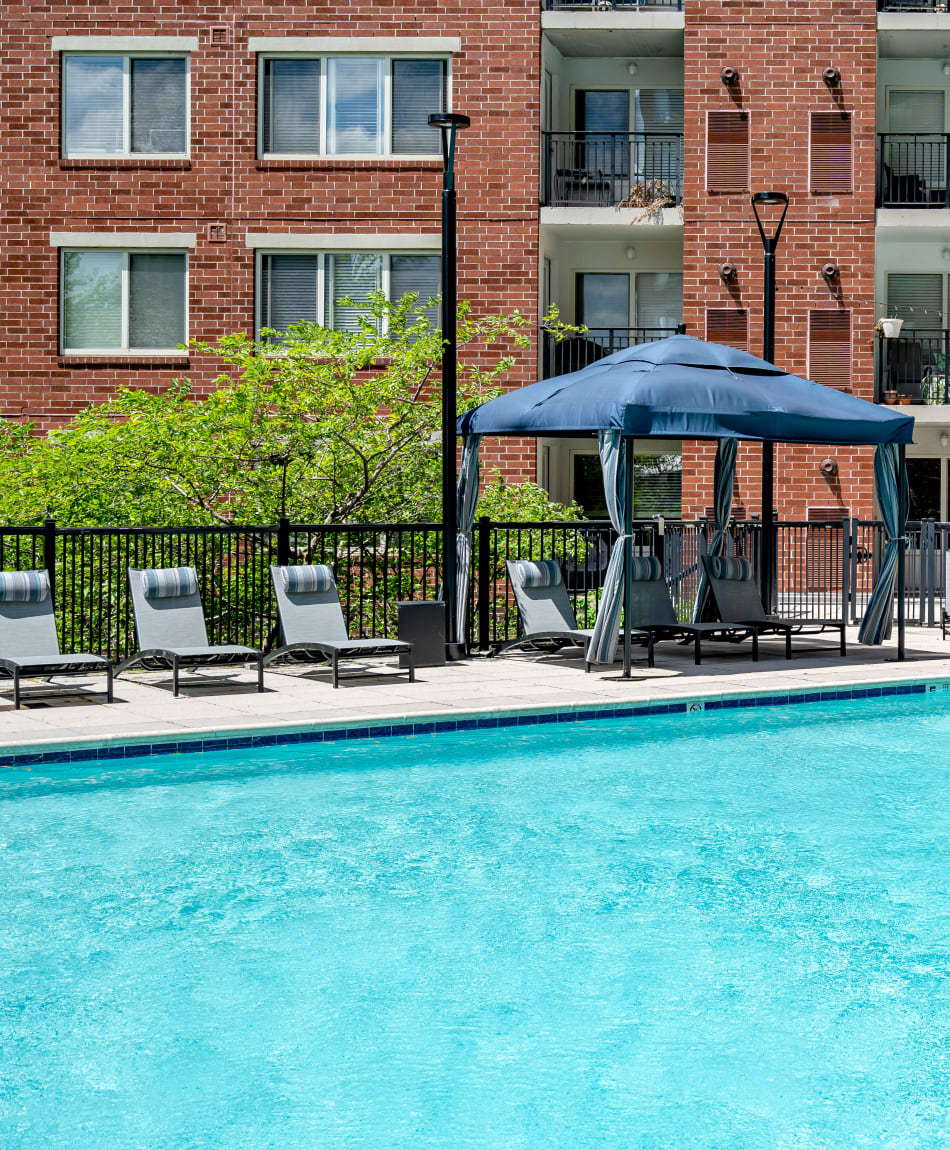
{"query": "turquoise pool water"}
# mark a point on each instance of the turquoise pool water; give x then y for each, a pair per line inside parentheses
(723, 931)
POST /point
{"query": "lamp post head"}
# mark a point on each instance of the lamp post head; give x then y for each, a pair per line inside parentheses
(448, 120)
(770, 200)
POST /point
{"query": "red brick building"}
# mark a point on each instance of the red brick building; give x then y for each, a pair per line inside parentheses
(175, 171)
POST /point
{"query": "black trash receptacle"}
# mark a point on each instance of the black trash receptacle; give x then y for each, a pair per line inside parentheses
(421, 622)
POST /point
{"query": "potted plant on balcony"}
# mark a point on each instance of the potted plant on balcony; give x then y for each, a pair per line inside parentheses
(889, 396)
(889, 326)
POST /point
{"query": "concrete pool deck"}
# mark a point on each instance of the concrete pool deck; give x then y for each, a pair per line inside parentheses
(226, 700)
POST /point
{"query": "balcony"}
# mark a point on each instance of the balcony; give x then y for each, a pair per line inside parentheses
(912, 170)
(611, 5)
(912, 5)
(596, 343)
(604, 169)
(914, 367)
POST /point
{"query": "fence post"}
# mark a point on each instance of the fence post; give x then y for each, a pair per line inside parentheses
(49, 554)
(484, 581)
(283, 542)
(846, 545)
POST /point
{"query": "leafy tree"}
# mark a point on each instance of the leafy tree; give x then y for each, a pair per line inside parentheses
(323, 426)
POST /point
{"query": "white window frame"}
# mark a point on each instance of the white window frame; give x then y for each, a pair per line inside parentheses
(124, 350)
(325, 61)
(323, 274)
(126, 153)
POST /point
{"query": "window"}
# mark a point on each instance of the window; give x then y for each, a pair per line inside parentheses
(123, 300)
(296, 286)
(830, 153)
(125, 105)
(659, 298)
(727, 151)
(657, 485)
(917, 299)
(829, 348)
(350, 105)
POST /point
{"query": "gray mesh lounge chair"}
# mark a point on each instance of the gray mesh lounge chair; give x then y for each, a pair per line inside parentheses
(170, 625)
(737, 600)
(652, 610)
(29, 645)
(547, 617)
(312, 623)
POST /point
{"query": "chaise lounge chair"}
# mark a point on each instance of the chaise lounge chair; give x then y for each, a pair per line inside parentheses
(312, 623)
(29, 645)
(651, 610)
(737, 600)
(170, 625)
(544, 608)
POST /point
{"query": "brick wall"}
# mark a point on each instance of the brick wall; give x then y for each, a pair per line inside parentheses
(495, 81)
(780, 52)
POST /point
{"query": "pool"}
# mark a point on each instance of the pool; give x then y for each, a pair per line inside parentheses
(726, 930)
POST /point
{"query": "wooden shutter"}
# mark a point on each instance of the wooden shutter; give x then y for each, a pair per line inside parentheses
(830, 152)
(829, 348)
(727, 151)
(728, 325)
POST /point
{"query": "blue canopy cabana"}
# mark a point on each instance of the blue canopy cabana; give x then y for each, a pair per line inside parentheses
(684, 388)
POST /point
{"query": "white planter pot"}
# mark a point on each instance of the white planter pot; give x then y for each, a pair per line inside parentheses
(891, 328)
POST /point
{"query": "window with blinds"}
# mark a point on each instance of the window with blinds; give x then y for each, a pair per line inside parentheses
(350, 105)
(728, 325)
(294, 287)
(727, 151)
(125, 106)
(122, 301)
(659, 299)
(917, 299)
(915, 111)
(830, 153)
(829, 348)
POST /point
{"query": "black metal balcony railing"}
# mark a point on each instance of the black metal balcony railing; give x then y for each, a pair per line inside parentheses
(610, 5)
(912, 5)
(572, 354)
(914, 367)
(641, 169)
(912, 170)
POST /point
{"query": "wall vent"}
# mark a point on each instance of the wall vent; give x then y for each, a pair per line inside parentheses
(220, 34)
(829, 348)
(830, 153)
(727, 151)
(728, 325)
(217, 233)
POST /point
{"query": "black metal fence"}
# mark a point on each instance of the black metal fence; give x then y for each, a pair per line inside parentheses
(561, 356)
(912, 5)
(642, 169)
(912, 170)
(823, 569)
(913, 366)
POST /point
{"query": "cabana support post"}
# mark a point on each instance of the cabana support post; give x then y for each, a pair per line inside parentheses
(627, 553)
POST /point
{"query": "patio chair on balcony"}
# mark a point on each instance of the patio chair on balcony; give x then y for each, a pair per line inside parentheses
(29, 645)
(170, 626)
(312, 624)
(544, 608)
(737, 601)
(652, 611)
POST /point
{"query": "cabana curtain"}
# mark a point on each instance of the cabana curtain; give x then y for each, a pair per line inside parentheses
(466, 497)
(724, 476)
(603, 642)
(893, 497)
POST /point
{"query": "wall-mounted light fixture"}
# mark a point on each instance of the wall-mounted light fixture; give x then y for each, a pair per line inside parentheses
(730, 77)
(630, 253)
(633, 68)
(831, 76)
(728, 273)
(946, 67)
(946, 255)
(944, 439)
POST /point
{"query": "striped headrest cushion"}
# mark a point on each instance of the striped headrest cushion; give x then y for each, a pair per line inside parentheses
(546, 573)
(731, 567)
(307, 577)
(23, 586)
(169, 582)
(646, 569)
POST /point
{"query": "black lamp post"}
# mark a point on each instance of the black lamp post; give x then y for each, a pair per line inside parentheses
(448, 124)
(769, 243)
